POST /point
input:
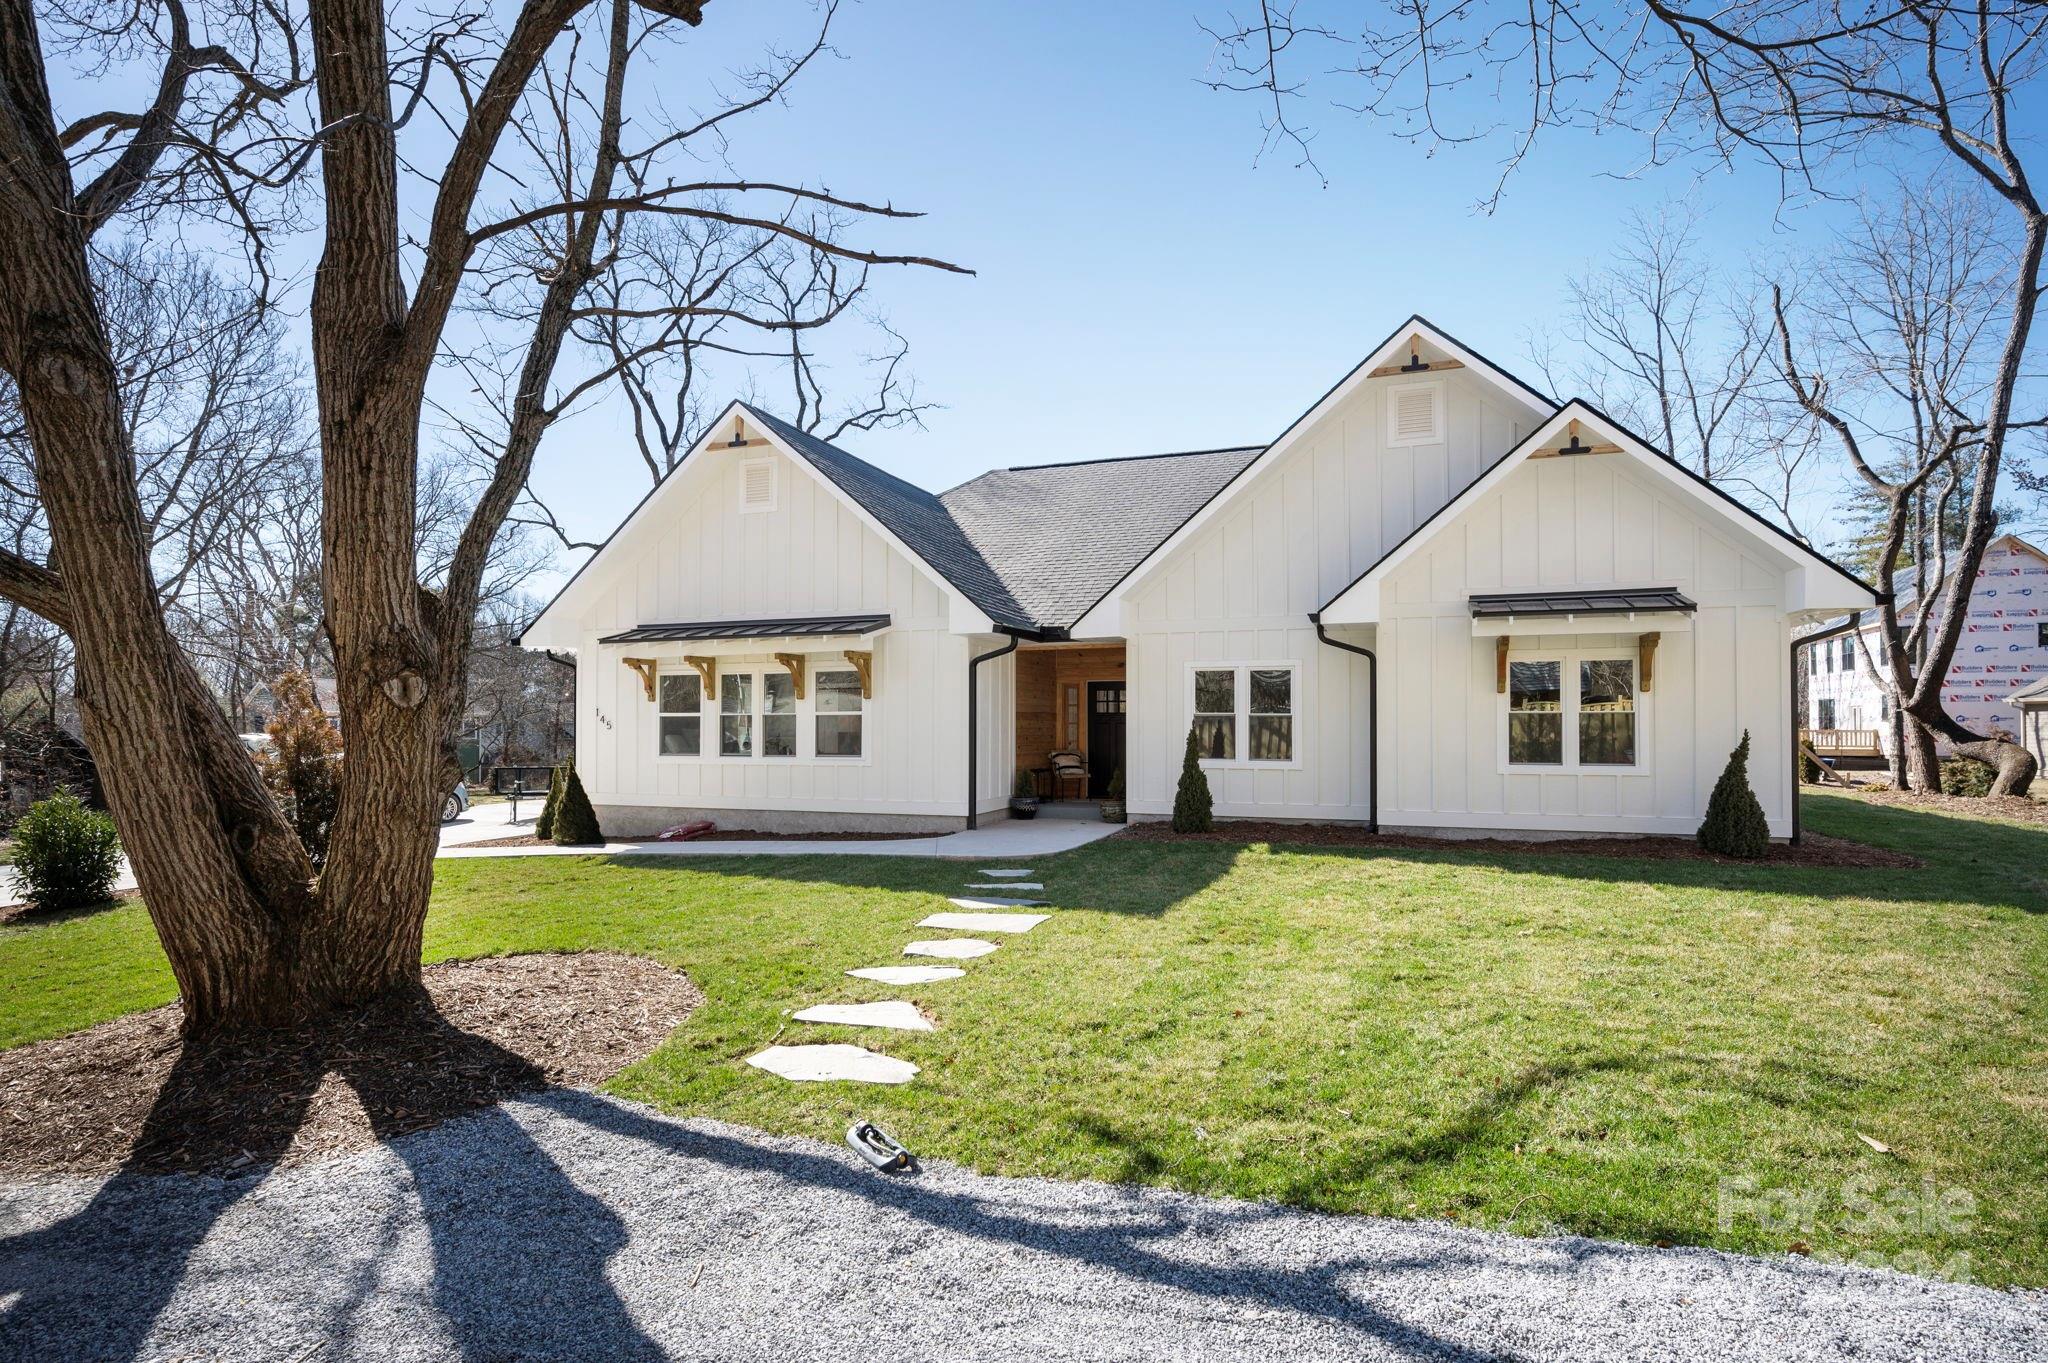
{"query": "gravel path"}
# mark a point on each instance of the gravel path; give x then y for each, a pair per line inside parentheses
(572, 1226)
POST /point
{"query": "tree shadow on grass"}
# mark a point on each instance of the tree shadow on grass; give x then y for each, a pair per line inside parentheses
(92, 1284)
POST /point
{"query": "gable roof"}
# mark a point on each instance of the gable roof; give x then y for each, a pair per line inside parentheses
(1363, 590)
(912, 515)
(1417, 327)
(1061, 535)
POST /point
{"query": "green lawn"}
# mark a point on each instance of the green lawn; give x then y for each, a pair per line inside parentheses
(1527, 1042)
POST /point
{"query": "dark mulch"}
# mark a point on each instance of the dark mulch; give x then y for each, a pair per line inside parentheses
(2020, 808)
(1814, 850)
(722, 835)
(127, 1094)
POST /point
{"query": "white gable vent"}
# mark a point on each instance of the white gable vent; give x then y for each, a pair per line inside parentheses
(757, 485)
(1415, 414)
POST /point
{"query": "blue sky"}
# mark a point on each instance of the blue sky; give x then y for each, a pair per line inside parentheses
(1141, 284)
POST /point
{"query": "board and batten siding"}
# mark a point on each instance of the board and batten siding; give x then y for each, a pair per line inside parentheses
(810, 555)
(1240, 590)
(1589, 522)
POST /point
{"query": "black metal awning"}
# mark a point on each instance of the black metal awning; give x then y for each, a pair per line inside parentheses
(1623, 601)
(787, 627)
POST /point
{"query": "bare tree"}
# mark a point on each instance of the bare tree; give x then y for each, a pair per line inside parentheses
(1890, 350)
(1809, 88)
(229, 129)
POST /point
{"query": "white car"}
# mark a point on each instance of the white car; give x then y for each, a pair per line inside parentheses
(456, 804)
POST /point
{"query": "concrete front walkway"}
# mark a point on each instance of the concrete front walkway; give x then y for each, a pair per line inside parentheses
(1006, 838)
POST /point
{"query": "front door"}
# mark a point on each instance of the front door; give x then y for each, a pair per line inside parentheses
(1105, 735)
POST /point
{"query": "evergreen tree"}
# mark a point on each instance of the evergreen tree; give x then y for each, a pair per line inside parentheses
(303, 764)
(1735, 824)
(575, 820)
(1193, 810)
(544, 825)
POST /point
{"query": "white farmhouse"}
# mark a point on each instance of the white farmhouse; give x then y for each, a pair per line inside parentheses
(2003, 650)
(1437, 601)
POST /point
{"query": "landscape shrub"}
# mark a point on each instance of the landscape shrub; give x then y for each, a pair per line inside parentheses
(66, 855)
(575, 820)
(1193, 809)
(544, 825)
(1809, 770)
(1734, 825)
(303, 765)
(1968, 777)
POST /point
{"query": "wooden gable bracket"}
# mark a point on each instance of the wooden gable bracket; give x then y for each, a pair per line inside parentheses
(1500, 665)
(864, 663)
(1575, 446)
(1646, 649)
(645, 667)
(707, 668)
(1416, 364)
(795, 663)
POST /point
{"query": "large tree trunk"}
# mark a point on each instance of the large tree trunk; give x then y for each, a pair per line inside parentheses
(1923, 766)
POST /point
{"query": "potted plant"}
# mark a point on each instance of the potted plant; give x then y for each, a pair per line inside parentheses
(1024, 797)
(1113, 803)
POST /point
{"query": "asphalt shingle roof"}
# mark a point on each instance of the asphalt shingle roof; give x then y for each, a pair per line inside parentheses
(1062, 535)
(1033, 547)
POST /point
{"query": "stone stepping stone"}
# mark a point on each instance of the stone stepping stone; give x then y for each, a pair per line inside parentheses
(986, 902)
(1006, 870)
(1005, 885)
(857, 1064)
(952, 949)
(896, 1014)
(908, 974)
(985, 922)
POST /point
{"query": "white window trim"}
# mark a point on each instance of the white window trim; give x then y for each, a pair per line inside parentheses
(709, 713)
(1243, 700)
(1569, 660)
(1436, 436)
(774, 485)
(660, 714)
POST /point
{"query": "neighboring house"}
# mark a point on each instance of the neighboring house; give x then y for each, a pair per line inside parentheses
(2031, 702)
(2003, 648)
(1571, 630)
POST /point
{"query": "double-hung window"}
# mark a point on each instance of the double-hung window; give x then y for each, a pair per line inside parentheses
(1576, 711)
(838, 713)
(681, 703)
(1244, 712)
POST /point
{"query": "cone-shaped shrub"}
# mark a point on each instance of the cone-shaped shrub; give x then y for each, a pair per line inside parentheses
(1193, 810)
(544, 826)
(575, 820)
(1735, 824)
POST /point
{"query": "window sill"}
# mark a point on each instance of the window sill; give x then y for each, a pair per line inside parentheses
(1582, 769)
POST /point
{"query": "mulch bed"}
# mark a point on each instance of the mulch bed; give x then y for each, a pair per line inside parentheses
(1814, 850)
(722, 835)
(128, 1095)
(2020, 808)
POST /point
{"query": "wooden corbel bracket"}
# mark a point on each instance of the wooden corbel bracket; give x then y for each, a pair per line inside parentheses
(1646, 650)
(707, 668)
(795, 663)
(864, 663)
(646, 668)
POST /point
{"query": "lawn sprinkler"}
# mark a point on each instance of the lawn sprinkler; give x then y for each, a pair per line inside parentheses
(880, 1149)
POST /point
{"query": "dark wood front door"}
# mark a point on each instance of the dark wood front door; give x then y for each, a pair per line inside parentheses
(1105, 735)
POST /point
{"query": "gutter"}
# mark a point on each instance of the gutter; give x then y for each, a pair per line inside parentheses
(1372, 717)
(1849, 626)
(974, 719)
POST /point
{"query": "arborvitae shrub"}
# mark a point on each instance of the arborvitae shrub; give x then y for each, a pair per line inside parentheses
(575, 820)
(1193, 809)
(303, 764)
(544, 824)
(1735, 824)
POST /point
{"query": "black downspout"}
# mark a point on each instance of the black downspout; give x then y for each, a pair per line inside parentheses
(1372, 720)
(1847, 626)
(974, 727)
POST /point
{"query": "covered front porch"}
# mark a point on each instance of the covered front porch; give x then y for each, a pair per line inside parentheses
(1071, 705)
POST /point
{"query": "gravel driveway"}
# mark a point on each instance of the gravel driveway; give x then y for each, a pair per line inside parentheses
(573, 1226)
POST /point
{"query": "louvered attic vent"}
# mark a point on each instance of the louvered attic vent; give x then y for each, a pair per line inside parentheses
(757, 485)
(1415, 414)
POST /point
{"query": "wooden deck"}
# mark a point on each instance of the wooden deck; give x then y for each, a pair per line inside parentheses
(1842, 742)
